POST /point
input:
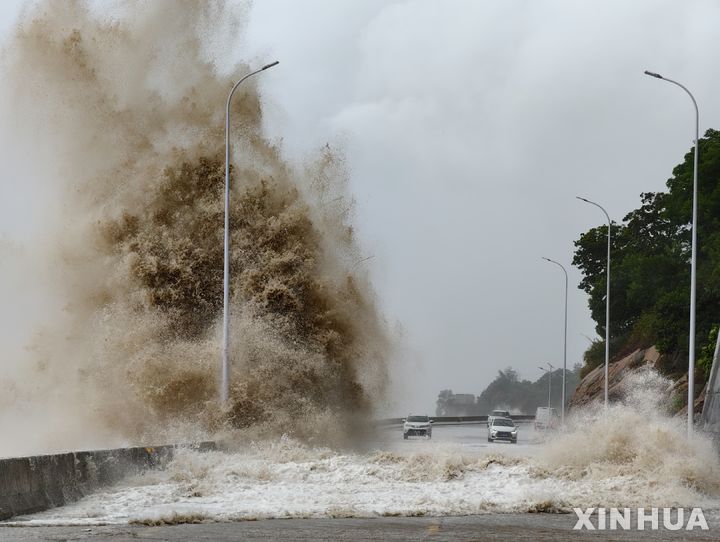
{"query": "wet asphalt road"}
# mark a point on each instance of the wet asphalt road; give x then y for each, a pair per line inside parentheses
(471, 437)
(492, 527)
(497, 527)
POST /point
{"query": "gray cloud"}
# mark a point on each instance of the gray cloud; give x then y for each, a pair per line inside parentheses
(469, 128)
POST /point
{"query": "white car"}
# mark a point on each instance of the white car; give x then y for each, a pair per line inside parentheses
(417, 425)
(502, 429)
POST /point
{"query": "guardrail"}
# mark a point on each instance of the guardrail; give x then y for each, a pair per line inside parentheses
(34, 484)
(456, 419)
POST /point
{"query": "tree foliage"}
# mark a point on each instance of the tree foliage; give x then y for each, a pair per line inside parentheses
(509, 392)
(650, 269)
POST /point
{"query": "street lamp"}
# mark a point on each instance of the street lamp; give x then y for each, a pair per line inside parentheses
(607, 302)
(225, 385)
(549, 373)
(693, 258)
(562, 411)
(361, 260)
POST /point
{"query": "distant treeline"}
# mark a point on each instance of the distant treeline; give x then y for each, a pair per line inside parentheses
(508, 392)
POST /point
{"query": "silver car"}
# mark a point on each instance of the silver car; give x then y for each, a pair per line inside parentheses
(502, 429)
(417, 425)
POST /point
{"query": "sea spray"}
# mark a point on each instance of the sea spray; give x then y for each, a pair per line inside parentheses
(635, 455)
(636, 447)
(122, 114)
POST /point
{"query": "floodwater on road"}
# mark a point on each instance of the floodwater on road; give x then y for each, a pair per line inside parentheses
(457, 472)
(471, 438)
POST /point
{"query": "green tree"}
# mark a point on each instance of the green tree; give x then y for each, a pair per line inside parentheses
(509, 391)
(650, 272)
(443, 402)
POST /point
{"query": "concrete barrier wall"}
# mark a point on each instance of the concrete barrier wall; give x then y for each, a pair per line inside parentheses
(33, 484)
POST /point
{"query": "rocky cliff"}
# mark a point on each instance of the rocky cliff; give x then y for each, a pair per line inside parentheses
(592, 387)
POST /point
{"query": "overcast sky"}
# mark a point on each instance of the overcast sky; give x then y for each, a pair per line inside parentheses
(469, 127)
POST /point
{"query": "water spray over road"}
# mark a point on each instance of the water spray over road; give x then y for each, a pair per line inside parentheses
(131, 138)
(634, 457)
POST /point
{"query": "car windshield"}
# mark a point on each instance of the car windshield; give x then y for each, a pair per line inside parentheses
(504, 423)
(418, 419)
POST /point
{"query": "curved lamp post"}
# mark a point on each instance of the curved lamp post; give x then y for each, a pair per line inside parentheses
(607, 302)
(225, 384)
(562, 411)
(693, 259)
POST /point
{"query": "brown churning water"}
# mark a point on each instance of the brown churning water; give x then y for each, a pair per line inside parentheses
(128, 113)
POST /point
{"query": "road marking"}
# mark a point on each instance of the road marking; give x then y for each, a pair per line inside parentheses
(434, 528)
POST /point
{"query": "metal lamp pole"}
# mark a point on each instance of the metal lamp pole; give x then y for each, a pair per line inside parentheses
(607, 302)
(225, 384)
(562, 411)
(693, 259)
(550, 385)
(549, 373)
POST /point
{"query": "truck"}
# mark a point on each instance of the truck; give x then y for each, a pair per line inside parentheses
(546, 418)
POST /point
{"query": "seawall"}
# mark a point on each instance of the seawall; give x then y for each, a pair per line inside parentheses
(34, 484)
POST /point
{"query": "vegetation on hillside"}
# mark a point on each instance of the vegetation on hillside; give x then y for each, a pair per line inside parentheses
(650, 270)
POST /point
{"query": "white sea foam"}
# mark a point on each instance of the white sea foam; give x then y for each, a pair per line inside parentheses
(633, 455)
(287, 479)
